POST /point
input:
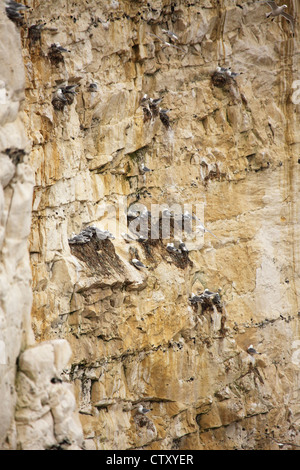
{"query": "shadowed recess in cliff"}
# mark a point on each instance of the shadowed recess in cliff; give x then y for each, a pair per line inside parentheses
(100, 257)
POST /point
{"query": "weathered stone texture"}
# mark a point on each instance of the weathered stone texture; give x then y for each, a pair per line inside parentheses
(35, 413)
(232, 147)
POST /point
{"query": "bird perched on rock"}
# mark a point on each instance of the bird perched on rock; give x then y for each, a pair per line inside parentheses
(99, 234)
(166, 213)
(56, 53)
(79, 239)
(223, 70)
(251, 350)
(147, 113)
(200, 227)
(69, 92)
(144, 99)
(153, 105)
(15, 5)
(92, 87)
(34, 32)
(214, 296)
(234, 74)
(279, 10)
(226, 71)
(165, 43)
(163, 115)
(144, 103)
(59, 100)
(182, 247)
(13, 9)
(137, 263)
(57, 47)
(128, 238)
(207, 295)
(171, 248)
(170, 34)
(142, 409)
(195, 298)
(144, 169)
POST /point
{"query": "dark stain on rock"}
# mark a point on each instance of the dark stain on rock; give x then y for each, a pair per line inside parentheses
(99, 255)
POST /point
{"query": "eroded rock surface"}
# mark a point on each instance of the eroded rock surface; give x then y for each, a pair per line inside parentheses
(233, 148)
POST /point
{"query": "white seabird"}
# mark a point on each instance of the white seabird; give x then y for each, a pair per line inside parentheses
(93, 87)
(166, 213)
(195, 298)
(223, 70)
(170, 34)
(56, 46)
(137, 263)
(171, 248)
(279, 10)
(142, 409)
(16, 5)
(144, 169)
(182, 246)
(166, 43)
(128, 238)
(251, 350)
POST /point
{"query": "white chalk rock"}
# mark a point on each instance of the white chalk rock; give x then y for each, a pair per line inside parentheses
(7, 170)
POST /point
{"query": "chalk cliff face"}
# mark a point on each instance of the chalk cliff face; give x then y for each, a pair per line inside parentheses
(231, 153)
(37, 410)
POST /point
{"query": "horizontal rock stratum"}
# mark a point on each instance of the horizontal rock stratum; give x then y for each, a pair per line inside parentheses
(129, 312)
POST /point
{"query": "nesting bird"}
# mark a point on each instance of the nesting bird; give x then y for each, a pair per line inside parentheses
(170, 34)
(64, 95)
(79, 239)
(142, 409)
(153, 105)
(57, 47)
(88, 233)
(214, 296)
(251, 350)
(166, 213)
(128, 238)
(196, 298)
(69, 92)
(93, 87)
(223, 70)
(99, 234)
(132, 214)
(59, 100)
(144, 169)
(145, 107)
(165, 43)
(13, 9)
(171, 248)
(137, 263)
(182, 247)
(207, 295)
(163, 115)
(227, 71)
(56, 53)
(144, 99)
(147, 113)
(34, 32)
